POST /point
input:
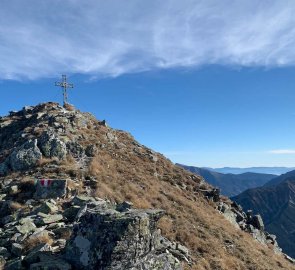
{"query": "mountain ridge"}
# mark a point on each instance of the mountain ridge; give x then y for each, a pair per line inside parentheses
(275, 203)
(263, 170)
(61, 168)
(231, 184)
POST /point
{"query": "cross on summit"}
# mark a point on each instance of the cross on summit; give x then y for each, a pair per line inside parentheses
(64, 85)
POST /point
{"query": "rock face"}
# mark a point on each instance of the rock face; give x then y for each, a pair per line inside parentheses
(51, 146)
(26, 156)
(113, 240)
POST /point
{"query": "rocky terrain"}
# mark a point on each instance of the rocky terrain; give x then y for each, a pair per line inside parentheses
(231, 184)
(77, 194)
(276, 205)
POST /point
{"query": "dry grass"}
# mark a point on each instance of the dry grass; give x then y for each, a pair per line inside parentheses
(190, 219)
(14, 206)
(34, 241)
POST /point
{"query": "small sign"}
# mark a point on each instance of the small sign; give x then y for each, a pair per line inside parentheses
(45, 182)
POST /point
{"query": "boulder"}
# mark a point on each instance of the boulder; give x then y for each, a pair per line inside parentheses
(124, 206)
(51, 146)
(51, 219)
(26, 226)
(108, 239)
(26, 156)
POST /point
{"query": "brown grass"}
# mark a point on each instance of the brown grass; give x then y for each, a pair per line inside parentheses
(32, 242)
(189, 219)
(14, 206)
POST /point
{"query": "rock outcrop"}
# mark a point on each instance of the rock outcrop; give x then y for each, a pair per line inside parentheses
(25, 156)
(108, 239)
(275, 203)
(84, 233)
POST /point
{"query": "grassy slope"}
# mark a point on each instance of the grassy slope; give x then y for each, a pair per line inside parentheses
(123, 170)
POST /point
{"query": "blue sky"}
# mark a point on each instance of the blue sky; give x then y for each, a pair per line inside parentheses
(207, 83)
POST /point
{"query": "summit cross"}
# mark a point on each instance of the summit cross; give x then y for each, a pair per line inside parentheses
(64, 85)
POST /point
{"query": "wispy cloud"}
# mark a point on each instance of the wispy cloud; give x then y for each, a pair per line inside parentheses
(41, 38)
(282, 151)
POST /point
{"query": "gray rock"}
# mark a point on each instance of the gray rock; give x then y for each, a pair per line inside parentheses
(231, 217)
(51, 219)
(48, 208)
(182, 249)
(111, 137)
(61, 243)
(107, 239)
(75, 149)
(26, 156)
(17, 249)
(13, 189)
(71, 212)
(81, 200)
(51, 146)
(35, 253)
(153, 158)
(26, 227)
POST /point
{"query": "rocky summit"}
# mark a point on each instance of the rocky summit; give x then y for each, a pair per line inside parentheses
(77, 194)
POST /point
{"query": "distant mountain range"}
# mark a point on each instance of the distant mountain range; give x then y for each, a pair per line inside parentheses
(276, 203)
(280, 178)
(231, 184)
(264, 170)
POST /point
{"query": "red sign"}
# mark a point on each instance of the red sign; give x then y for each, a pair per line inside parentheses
(45, 182)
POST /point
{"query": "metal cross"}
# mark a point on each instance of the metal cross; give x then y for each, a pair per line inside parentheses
(64, 85)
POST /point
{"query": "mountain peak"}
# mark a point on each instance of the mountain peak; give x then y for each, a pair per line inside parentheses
(61, 168)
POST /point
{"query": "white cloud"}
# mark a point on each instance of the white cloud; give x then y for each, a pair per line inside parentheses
(282, 151)
(41, 38)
